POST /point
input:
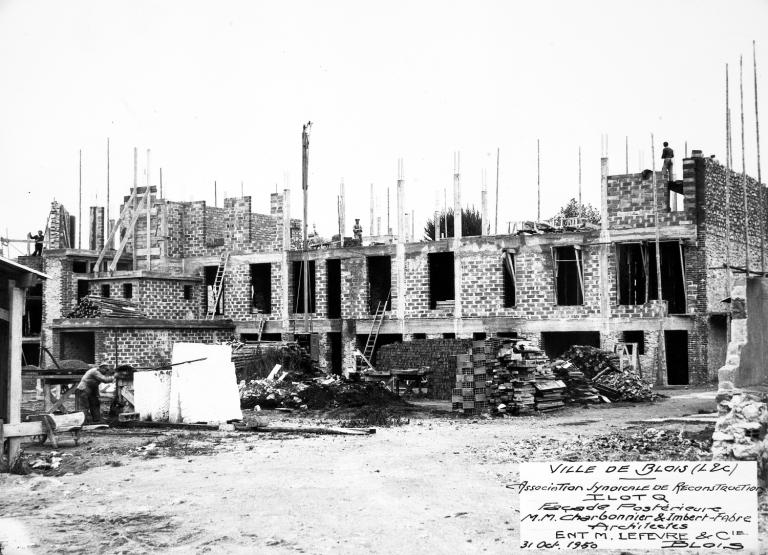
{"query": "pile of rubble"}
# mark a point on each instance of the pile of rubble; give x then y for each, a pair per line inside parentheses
(314, 393)
(740, 432)
(604, 371)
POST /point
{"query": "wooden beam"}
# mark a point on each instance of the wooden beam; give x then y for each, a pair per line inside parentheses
(4, 315)
(36, 428)
(15, 313)
(119, 221)
(128, 234)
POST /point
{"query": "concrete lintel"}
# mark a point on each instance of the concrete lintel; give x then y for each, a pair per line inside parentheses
(667, 233)
(140, 274)
(504, 324)
(91, 324)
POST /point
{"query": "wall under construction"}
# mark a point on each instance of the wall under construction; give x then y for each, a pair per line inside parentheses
(579, 284)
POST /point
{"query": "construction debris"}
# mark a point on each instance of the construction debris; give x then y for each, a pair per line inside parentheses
(255, 361)
(314, 393)
(92, 306)
(306, 430)
(578, 388)
(513, 377)
(607, 376)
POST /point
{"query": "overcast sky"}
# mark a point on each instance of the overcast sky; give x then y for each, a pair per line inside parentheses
(220, 90)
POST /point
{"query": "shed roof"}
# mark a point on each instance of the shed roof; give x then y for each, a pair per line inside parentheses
(9, 268)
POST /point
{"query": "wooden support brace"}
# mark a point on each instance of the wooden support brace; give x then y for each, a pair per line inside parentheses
(682, 273)
(577, 253)
(128, 233)
(108, 242)
(555, 264)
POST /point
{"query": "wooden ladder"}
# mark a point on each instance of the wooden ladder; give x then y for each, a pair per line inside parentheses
(373, 336)
(218, 283)
(261, 324)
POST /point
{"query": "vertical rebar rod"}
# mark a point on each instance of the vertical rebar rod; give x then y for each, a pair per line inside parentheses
(744, 169)
(760, 186)
(80, 202)
(538, 180)
(106, 225)
(579, 179)
(135, 206)
(727, 187)
(496, 222)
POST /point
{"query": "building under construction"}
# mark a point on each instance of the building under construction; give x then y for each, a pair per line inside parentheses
(203, 273)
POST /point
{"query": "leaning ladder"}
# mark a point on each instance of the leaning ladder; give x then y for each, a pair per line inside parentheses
(373, 335)
(218, 283)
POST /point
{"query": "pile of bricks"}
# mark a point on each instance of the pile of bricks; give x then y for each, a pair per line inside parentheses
(469, 395)
(511, 387)
(550, 392)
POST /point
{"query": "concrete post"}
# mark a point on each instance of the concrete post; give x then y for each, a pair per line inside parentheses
(400, 252)
(13, 402)
(285, 265)
(456, 248)
(605, 246)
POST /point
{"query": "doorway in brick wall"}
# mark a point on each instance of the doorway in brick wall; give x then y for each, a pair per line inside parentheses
(555, 343)
(334, 346)
(676, 350)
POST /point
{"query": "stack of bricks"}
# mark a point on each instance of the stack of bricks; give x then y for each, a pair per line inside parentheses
(511, 384)
(469, 395)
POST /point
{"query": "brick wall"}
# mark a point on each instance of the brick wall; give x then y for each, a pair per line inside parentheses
(630, 202)
(156, 298)
(59, 229)
(711, 179)
(438, 354)
(148, 347)
(96, 228)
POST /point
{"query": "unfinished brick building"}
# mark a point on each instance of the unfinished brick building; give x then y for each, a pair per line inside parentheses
(584, 286)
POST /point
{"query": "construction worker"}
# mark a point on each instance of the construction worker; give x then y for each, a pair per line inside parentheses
(357, 230)
(87, 393)
(38, 239)
(667, 157)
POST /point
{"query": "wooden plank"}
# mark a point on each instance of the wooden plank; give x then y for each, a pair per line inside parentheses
(308, 430)
(4, 315)
(119, 221)
(36, 427)
(23, 429)
(126, 393)
(59, 404)
(15, 313)
(128, 234)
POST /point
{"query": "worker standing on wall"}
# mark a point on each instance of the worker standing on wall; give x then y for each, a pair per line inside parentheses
(38, 239)
(667, 157)
(87, 394)
(357, 230)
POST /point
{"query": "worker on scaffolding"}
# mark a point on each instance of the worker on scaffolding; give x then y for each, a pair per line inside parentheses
(87, 393)
(667, 157)
(38, 239)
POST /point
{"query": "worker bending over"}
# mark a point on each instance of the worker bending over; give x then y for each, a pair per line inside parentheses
(87, 394)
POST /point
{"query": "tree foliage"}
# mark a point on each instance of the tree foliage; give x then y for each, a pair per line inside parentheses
(471, 223)
(573, 209)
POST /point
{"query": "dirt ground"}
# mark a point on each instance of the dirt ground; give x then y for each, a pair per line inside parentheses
(436, 484)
